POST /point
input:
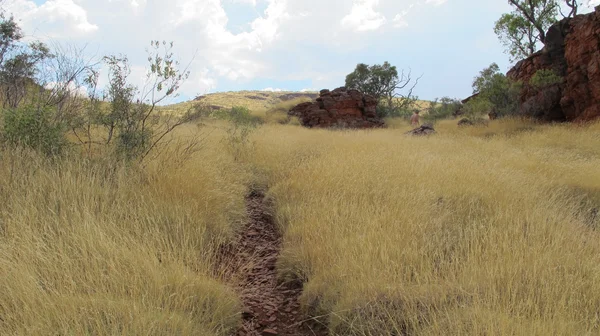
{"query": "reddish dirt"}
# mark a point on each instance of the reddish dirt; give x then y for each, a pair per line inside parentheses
(271, 308)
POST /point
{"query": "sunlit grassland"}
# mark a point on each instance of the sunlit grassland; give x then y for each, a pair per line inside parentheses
(478, 230)
(98, 248)
(272, 107)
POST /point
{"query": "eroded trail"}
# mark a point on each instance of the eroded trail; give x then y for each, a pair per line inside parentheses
(270, 307)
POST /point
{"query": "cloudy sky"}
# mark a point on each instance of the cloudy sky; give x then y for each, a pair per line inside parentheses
(283, 44)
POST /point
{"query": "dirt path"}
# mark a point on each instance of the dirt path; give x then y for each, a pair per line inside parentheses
(270, 307)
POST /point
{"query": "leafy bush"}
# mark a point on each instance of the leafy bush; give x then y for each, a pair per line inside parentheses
(241, 124)
(33, 127)
(384, 111)
(477, 107)
(442, 108)
(496, 93)
(133, 122)
(544, 78)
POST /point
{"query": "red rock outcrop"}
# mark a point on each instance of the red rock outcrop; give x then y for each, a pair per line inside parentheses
(572, 51)
(339, 108)
(422, 130)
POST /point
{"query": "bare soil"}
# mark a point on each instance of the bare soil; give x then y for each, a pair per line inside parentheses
(271, 307)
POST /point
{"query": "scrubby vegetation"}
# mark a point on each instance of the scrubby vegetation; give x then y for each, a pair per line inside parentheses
(115, 208)
(94, 247)
(485, 230)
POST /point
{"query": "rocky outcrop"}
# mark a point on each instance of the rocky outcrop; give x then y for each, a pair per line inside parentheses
(341, 108)
(296, 95)
(422, 130)
(465, 122)
(460, 108)
(572, 51)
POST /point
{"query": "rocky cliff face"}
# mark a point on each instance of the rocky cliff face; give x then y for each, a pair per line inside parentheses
(339, 108)
(572, 51)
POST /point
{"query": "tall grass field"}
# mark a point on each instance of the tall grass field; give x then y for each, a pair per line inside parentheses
(484, 230)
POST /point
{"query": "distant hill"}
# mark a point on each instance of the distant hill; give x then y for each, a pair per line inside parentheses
(253, 100)
(256, 101)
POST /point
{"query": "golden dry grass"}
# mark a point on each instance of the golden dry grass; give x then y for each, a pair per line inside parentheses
(255, 101)
(462, 233)
(271, 107)
(487, 230)
(92, 248)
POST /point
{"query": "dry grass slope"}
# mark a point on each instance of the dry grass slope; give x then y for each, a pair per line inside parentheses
(89, 249)
(255, 101)
(475, 231)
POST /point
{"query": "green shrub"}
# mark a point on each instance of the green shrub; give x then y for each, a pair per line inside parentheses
(442, 109)
(544, 78)
(33, 127)
(497, 93)
(476, 107)
(241, 124)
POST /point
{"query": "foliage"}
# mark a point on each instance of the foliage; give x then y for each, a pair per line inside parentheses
(495, 92)
(442, 109)
(525, 27)
(384, 83)
(36, 82)
(398, 107)
(33, 127)
(375, 80)
(517, 35)
(19, 64)
(133, 120)
(544, 78)
(476, 107)
(10, 34)
(241, 125)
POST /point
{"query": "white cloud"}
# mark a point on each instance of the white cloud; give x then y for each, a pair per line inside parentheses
(249, 2)
(270, 89)
(284, 42)
(436, 2)
(363, 16)
(400, 19)
(54, 18)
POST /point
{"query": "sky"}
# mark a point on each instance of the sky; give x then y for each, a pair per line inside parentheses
(294, 45)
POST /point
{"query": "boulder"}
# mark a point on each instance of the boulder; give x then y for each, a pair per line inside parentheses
(465, 122)
(572, 51)
(342, 107)
(422, 130)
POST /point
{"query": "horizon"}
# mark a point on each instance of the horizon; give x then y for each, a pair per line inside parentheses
(283, 45)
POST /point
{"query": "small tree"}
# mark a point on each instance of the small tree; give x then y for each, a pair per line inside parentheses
(133, 118)
(522, 30)
(384, 83)
(241, 125)
(517, 34)
(10, 35)
(498, 92)
(25, 121)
